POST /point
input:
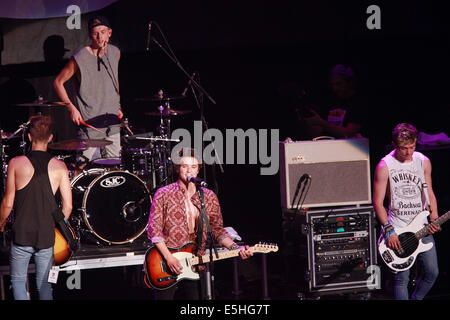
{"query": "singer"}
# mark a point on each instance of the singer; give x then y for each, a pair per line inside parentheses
(173, 222)
(97, 101)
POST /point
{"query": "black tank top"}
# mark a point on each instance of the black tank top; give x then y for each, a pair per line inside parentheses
(33, 206)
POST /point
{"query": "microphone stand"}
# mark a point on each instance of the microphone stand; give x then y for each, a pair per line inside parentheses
(199, 102)
(197, 85)
(183, 70)
(210, 239)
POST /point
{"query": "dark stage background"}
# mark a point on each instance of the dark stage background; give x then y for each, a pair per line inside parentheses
(245, 52)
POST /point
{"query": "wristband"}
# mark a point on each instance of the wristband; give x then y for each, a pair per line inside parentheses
(389, 233)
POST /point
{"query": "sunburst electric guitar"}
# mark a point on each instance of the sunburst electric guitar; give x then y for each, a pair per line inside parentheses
(411, 242)
(160, 277)
(61, 250)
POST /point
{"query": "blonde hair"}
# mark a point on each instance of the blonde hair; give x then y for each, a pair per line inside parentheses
(404, 132)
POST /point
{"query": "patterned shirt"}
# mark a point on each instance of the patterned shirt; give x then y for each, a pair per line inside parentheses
(168, 217)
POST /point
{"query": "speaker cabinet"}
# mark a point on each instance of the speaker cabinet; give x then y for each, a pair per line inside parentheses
(339, 170)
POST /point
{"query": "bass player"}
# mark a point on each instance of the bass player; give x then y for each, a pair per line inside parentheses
(405, 175)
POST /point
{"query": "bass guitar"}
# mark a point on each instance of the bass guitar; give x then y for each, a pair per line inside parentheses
(160, 277)
(411, 243)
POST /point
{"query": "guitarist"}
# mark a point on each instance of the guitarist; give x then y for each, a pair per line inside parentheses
(31, 185)
(173, 222)
(402, 174)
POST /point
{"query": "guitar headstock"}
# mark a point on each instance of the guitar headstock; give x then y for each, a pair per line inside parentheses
(265, 247)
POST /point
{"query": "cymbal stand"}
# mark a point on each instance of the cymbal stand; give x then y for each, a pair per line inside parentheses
(22, 128)
(163, 148)
(3, 172)
(175, 60)
(3, 164)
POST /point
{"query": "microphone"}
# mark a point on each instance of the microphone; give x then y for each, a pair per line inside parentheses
(197, 181)
(299, 183)
(147, 48)
(188, 85)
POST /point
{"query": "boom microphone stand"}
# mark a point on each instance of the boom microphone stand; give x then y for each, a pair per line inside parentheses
(199, 101)
(174, 59)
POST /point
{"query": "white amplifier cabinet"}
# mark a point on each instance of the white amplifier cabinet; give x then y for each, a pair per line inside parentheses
(339, 170)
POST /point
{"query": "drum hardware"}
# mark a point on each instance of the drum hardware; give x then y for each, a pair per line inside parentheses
(158, 139)
(161, 97)
(22, 128)
(79, 144)
(168, 112)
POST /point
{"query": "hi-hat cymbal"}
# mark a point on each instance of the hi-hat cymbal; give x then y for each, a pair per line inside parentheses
(168, 112)
(5, 135)
(158, 97)
(79, 144)
(43, 103)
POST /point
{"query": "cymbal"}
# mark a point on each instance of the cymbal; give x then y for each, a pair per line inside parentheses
(43, 103)
(104, 120)
(79, 144)
(5, 135)
(168, 112)
(158, 97)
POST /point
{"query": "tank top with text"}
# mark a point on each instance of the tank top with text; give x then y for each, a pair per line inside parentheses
(406, 181)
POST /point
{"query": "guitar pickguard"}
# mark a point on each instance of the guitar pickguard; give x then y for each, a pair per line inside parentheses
(404, 265)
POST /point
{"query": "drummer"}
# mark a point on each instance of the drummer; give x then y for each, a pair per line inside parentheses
(97, 101)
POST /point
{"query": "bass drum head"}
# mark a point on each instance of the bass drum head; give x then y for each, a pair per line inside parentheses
(116, 206)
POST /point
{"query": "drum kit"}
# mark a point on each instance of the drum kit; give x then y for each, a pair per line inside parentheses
(111, 196)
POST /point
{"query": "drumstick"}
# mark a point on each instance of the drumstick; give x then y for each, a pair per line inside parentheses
(88, 125)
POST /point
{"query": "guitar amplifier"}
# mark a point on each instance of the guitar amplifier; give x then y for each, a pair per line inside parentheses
(339, 171)
(338, 248)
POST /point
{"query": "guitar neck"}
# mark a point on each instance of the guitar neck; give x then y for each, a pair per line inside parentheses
(221, 255)
(424, 231)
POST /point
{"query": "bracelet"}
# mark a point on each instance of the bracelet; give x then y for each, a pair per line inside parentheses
(387, 225)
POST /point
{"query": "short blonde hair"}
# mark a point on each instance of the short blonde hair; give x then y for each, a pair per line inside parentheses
(404, 132)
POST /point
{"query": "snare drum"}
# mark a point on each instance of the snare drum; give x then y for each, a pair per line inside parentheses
(107, 163)
(114, 205)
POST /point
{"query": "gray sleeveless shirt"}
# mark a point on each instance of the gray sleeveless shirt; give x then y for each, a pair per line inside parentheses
(97, 91)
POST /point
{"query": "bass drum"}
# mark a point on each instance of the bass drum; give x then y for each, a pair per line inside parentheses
(114, 205)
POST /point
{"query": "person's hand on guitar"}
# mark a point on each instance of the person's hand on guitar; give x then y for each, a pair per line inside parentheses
(244, 253)
(393, 242)
(174, 265)
(433, 228)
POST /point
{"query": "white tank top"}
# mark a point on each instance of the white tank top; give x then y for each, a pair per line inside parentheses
(406, 185)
